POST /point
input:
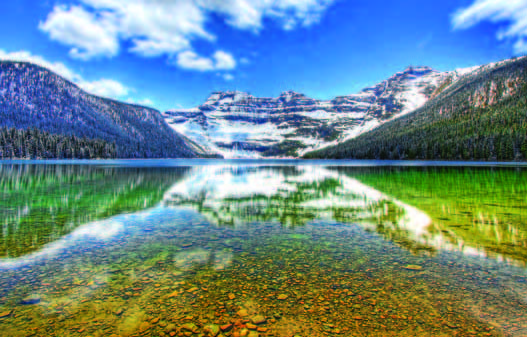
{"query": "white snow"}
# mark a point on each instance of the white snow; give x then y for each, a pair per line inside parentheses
(214, 187)
(225, 131)
(409, 90)
(193, 110)
(319, 114)
(364, 127)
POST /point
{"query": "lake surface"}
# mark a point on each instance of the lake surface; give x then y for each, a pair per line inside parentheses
(257, 248)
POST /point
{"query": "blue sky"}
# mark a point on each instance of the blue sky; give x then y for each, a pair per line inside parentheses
(172, 54)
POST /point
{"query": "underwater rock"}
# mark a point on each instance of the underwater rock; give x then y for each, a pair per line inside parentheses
(258, 319)
(251, 326)
(170, 327)
(144, 326)
(282, 297)
(242, 313)
(5, 314)
(30, 300)
(226, 327)
(412, 267)
(189, 327)
(212, 330)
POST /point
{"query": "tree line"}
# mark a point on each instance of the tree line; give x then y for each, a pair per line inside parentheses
(35, 144)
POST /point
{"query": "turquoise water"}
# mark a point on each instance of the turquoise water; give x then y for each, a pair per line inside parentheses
(246, 248)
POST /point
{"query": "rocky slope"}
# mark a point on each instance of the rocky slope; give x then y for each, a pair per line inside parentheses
(237, 124)
(32, 96)
(479, 116)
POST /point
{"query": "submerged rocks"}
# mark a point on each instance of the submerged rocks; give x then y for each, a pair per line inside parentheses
(242, 313)
(6, 313)
(226, 327)
(251, 326)
(30, 300)
(170, 327)
(190, 327)
(275, 286)
(282, 297)
(212, 330)
(144, 326)
(258, 319)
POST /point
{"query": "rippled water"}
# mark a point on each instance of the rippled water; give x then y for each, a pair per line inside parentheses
(246, 249)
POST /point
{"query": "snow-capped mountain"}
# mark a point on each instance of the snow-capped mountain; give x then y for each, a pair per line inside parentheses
(237, 124)
(475, 114)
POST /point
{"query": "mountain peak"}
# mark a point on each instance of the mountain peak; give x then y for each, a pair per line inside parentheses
(289, 92)
(289, 95)
(418, 70)
(226, 97)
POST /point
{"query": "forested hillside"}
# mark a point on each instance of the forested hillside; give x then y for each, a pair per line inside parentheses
(34, 97)
(35, 144)
(482, 116)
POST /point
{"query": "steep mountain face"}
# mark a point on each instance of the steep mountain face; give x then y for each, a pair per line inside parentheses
(32, 96)
(237, 124)
(479, 116)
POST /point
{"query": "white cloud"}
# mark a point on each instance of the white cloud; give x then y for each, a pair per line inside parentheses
(102, 87)
(228, 77)
(88, 34)
(513, 13)
(224, 61)
(190, 60)
(144, 102)
(219, 61)
(154, 27)
(160, 27)
(250, 14)
(106, 88)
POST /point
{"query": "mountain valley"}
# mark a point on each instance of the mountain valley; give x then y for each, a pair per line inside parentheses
(384, 121)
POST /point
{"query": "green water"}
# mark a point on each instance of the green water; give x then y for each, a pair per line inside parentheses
(240, 249)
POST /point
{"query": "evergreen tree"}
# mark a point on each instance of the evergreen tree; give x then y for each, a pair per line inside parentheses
(35, 144)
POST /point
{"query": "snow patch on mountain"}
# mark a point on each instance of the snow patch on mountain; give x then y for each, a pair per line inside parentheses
(240, 125)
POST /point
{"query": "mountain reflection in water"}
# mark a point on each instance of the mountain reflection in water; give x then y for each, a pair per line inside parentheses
(293, 196)
(315, 250)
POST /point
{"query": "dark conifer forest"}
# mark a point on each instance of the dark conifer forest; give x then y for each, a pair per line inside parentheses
(35, 144)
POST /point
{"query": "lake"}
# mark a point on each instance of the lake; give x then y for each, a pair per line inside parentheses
(262, 248)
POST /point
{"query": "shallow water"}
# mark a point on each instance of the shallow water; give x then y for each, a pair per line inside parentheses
(182, 248)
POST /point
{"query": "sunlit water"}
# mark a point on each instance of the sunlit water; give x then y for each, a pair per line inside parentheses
(192, 248)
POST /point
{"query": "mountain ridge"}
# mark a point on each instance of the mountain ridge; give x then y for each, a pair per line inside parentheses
(238, 124)
(32, 96)
(480, 116)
